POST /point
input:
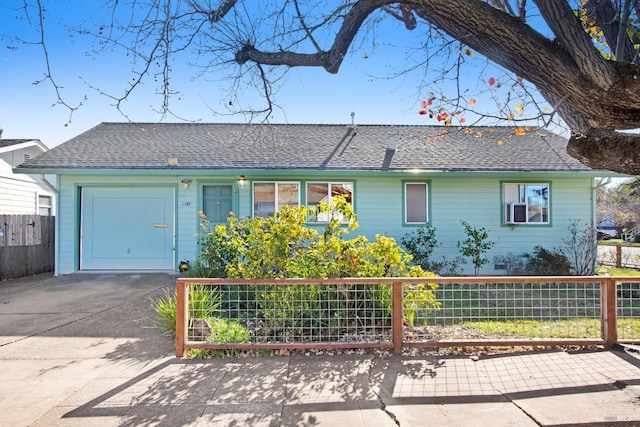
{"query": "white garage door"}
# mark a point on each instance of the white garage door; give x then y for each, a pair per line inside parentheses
(127, 229)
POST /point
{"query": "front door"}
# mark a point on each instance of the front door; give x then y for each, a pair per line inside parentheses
(217, 203)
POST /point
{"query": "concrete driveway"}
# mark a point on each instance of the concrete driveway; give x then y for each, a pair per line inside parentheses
(78, 350)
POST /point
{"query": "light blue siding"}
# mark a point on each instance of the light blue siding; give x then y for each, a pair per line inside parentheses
(378, 202)
(67, 242)
(478, 202)
(187, 221)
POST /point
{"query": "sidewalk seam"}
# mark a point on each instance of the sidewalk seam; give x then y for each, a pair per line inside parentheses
(383, 406)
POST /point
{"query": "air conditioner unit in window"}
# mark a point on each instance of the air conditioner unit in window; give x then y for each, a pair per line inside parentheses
(516, 213)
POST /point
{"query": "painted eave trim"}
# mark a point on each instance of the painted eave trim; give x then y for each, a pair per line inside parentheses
(26, 144)
(251, 173)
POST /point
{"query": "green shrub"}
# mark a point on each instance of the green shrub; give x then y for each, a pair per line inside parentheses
(421, 243)
(476, 245)
(283, 246)
(223, 330)
(204, 302)
(165, 306)
(219, 247)
(543, 262)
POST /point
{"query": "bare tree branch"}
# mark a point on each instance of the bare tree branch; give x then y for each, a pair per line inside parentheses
(48, 76)
(331, 59)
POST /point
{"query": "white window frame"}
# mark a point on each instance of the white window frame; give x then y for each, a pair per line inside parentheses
(324, 217)
(518, 197)
(40, 205)
(406, 202)
(276, 202)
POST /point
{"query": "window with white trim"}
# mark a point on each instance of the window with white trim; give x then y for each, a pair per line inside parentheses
(269, 197)
(526, 203)
(324, 192)
(416, 202)
(44, 205)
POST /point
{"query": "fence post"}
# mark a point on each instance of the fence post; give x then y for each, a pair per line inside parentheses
(396, 317)
(618, 256)
(609, 312)
(181, 316)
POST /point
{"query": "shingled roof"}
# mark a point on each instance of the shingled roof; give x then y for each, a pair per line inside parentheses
(10, 142)
(308, 147)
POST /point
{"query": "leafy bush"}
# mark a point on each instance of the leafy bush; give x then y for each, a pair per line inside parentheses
(282, 246)
(421, 243)
(219, 247)
(223, 330)
(541, 262)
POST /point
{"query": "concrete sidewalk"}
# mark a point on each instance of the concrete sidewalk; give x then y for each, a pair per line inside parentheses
(79, 350)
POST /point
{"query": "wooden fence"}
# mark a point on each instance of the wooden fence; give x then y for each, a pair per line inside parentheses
(595, 301)
(26, 245)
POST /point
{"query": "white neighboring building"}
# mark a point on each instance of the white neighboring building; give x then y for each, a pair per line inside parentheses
(20, 193)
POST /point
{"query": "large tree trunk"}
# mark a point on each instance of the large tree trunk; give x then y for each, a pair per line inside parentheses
(608, 150)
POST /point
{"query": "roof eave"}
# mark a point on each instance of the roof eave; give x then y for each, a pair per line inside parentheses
(25, 144)
(261, 172)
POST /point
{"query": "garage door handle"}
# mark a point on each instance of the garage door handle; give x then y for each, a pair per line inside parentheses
(160, 225)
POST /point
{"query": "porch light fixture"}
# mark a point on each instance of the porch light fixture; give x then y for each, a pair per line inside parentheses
(186, 183)
(242, 179)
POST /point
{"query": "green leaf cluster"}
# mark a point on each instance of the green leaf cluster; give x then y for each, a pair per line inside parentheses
(284, 246)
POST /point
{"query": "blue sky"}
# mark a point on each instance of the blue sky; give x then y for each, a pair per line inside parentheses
(307, 95)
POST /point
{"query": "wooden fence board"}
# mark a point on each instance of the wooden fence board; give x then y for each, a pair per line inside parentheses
(26, 245)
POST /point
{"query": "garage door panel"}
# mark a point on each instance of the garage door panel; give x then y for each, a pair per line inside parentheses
(127, 228)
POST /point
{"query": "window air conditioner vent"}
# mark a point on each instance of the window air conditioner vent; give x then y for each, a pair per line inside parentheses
(516, 213)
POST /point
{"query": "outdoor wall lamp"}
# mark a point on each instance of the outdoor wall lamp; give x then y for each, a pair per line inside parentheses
(242, 179)
(186, 183)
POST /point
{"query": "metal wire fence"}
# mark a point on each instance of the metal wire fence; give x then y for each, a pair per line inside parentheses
(405, 312)
(506, 310)
(285, 314)
(628, 313)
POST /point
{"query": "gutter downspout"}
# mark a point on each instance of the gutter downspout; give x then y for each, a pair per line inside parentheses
(56, 243)
(52, 187)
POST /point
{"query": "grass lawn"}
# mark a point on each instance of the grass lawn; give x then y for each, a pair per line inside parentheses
(613, 271)
(616, 242)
